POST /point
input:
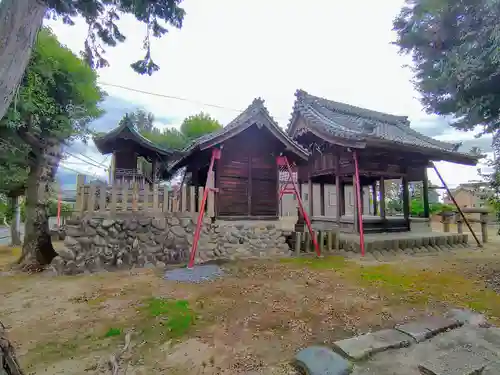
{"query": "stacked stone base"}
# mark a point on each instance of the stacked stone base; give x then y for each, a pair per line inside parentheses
(411, 243)
(132, 240)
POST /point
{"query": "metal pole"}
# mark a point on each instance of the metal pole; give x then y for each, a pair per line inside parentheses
(196, 237)
(360, 207)
(456, 205)
(304, 213)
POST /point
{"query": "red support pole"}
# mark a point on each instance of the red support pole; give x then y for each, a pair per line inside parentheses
(215, 156)
(299, 199)
(359, 203)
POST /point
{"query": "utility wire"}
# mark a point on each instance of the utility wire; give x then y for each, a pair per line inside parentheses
(170, 97)
(93, 163)
(181, 99)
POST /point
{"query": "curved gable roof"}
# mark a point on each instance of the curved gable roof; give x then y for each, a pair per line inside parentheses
(126, 130)
(255, 114)
(354, 123)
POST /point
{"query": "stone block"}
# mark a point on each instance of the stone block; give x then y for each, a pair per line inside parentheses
(458, 362)
(428, 327)
(464, 316)
(363, 346)
(492, 369)
(319, 360)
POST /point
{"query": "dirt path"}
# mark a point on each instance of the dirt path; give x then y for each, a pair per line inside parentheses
(253, 319)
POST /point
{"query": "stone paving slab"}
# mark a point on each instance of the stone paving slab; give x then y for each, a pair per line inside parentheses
(428, 327)
(361, 347)
(458, 362)
(492, 369)
(484, 343)
(465, 316)
(319, 360)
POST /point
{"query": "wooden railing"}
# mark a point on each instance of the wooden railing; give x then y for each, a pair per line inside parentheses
(123, 198)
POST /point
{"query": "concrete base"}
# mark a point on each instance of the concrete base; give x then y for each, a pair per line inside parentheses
(408, 241)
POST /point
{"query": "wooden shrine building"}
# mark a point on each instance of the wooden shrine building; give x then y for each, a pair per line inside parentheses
(246, 175)
(386, 148)
(126, 145)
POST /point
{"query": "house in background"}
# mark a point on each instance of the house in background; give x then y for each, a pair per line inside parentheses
(470, 194)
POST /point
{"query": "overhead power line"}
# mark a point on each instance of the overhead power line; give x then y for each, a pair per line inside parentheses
(92, 162)
(170, 97)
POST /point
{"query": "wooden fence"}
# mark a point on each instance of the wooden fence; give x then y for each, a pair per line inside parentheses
(123, 198)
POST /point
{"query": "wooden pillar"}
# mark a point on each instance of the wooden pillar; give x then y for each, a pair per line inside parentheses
(406, 200)
(355, 208)
(339, 187)
(311, 204)
(425, 195)
(362, 196)
(374, 198)
(153, 171)
(322, 198)
(196, 184)
(382, 197)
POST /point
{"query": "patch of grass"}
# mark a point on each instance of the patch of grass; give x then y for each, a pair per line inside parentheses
(404, 284)
(327, 263)
(165, 319)
(8, 255)
(45, 353)
(113, 332)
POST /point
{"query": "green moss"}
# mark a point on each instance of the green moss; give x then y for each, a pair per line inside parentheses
(113, 332)
(327, 263)
(45, 353)
(400, 283)
(167, 318)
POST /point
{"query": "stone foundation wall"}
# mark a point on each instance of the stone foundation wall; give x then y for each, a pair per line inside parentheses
(96, 243)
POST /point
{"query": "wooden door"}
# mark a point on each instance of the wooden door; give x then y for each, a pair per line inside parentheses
(233, 183)
(263, 186)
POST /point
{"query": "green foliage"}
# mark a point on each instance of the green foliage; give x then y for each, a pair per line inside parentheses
(141, 120)
(455, 45)
(113, 332)
(6, 210)
(58, 96)
(170, 138)
(101, 16)
(57, 99)
(195, 126)
(175, 316)
(417, 208)
(192, 127)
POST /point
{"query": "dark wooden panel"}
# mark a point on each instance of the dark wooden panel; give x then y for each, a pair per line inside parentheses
(264, 186)
(233, 196)
(264, 197)
(233, 175)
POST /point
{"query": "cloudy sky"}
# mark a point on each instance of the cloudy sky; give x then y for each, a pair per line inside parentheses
(229, 52)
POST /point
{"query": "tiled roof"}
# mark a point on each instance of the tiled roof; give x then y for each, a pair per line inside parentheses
(101, 141)
(246, 118)
(347, 121)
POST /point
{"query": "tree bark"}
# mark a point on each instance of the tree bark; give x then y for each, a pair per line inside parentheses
(15, 234)
(37, 247)
(20, 21)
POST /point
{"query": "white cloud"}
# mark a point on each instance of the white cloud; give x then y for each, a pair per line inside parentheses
(229, 52)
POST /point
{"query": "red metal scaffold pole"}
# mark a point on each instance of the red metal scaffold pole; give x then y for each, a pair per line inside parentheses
(359, 203)
(216, 152)
(283, 161)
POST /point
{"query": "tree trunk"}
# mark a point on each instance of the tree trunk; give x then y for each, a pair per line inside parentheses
(20, 21)
(15, 234)
(37, 246)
